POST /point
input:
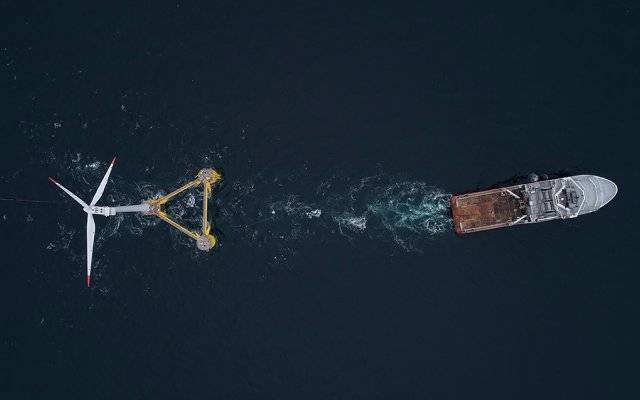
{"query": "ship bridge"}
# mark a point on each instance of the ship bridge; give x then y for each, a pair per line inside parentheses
(568, 197)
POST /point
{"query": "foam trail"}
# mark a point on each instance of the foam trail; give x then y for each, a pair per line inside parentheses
(378, 207)
(412, 209)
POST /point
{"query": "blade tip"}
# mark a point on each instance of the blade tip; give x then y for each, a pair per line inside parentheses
(113, 162)
(88, 280)
(52, 180)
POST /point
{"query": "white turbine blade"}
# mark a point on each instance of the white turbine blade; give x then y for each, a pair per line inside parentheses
(67, 191)
(91, 233)
(103, 184)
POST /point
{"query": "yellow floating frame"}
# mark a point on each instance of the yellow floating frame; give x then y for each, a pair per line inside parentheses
(205, 240)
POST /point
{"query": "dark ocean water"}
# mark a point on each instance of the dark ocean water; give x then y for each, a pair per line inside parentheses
(341, 133)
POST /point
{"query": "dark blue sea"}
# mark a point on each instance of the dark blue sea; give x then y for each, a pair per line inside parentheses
(341, 132)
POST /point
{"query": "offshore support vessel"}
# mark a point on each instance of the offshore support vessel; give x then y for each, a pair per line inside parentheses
(536, 201)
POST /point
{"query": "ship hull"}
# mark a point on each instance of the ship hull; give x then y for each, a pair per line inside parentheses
(533, 202)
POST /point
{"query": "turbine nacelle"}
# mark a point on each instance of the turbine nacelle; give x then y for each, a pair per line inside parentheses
(97, 210)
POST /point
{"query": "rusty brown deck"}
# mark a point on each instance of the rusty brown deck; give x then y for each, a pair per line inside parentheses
(488, 209)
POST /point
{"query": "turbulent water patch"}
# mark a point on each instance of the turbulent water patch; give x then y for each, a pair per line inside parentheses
(294, 207)
(350, 221)
(378, 207)
(410, 210)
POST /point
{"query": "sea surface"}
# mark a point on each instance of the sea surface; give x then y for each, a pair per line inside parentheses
(341, 133)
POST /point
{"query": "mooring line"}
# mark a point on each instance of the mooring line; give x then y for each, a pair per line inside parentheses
(31, 201)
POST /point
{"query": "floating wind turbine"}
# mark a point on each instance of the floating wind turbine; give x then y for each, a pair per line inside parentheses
(205, 240)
